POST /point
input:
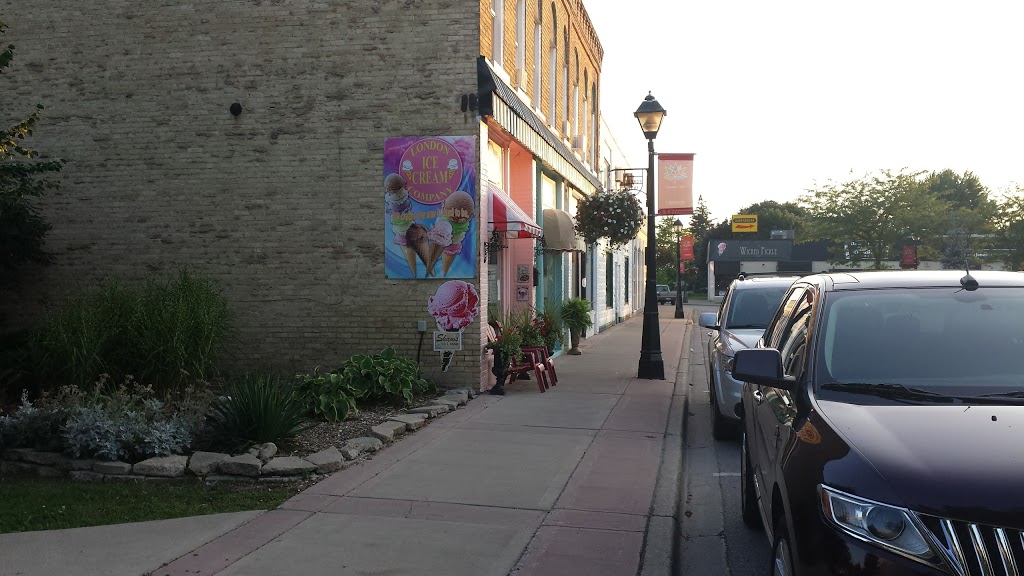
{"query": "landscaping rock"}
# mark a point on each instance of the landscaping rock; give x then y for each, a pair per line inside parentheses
(49, 472)
(163, 467)
(287, 466)
(387, 431)
(328, 460)
(267, 451)
(45, 459)
(15, 468)
(225, 478)
(125, 478)
(411, 421)
(112, 468)
(470, 391)
(202, 463)
(81, 464)
(451, 403)
(244, 465)
(363, 444)
(462, 395)
(351, 453)
(85, 476)
(434, 410)
(17, 454)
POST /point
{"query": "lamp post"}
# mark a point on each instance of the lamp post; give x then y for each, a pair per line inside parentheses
(652, 366)
(680, 293)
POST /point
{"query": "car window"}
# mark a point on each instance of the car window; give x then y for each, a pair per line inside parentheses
(773, 335)
(945, 340)
(753, 307)
(793, 345)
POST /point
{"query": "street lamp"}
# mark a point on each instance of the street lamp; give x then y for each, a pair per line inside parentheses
(678, 227)
(652, 367)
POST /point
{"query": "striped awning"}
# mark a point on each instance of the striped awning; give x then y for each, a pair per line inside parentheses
(505, 216)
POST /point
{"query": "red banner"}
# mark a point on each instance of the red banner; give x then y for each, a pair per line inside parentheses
(675, 184)
(686, 248)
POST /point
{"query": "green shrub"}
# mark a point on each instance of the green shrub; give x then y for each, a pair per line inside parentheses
(256, 409)
(165, 333)
(112, 422)
(575, 314)
(326, 395)
(385, 376)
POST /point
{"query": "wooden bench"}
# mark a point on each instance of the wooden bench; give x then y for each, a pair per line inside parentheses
(533, 358)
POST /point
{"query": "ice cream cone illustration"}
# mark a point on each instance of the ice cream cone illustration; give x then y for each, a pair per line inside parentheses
(398, 206)
(439, 237)
(459, 211)
(454, 306)
(416, 244)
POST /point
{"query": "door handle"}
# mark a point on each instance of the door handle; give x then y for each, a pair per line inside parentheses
(758, 397)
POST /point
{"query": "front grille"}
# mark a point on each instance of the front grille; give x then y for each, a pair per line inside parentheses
(977, 549)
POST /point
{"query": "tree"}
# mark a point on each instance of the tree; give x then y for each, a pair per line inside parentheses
(1010, 228)
(23, 177)
(665, 257)
(700, 224)
(772, 215)
(971, 215)
(869, 217)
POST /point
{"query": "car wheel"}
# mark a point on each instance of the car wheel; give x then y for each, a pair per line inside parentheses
(721, 429)
(748, 497)
(782, 557)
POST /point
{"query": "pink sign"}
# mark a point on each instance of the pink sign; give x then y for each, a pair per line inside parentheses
(675, 184)
(432, 168)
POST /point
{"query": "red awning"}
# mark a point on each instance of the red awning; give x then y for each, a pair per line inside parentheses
(505, 216)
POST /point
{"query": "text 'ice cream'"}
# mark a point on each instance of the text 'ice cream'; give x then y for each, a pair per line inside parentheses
(454, 305)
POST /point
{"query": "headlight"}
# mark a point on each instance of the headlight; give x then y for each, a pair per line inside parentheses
(887, 526)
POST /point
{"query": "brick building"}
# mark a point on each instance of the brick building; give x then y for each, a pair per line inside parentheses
(250, 139)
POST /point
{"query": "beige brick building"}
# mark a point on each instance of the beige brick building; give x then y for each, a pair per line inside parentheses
(283, 202)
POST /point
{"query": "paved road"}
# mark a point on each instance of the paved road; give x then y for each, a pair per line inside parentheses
(715, 540)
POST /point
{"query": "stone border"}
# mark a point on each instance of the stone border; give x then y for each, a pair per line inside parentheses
(260, 463)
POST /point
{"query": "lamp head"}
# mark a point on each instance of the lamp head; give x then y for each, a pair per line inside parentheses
(677, 226)
(650, 114)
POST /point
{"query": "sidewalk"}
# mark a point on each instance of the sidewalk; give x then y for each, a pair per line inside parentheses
(582, 479)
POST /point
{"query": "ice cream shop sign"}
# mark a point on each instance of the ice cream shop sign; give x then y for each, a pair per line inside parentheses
(430, 207)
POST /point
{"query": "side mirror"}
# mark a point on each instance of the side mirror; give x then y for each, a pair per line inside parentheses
(709, 320)
(762, 366)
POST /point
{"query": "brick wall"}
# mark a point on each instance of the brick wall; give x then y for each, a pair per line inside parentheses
(282, 204)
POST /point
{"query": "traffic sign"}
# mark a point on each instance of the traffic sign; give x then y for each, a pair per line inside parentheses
(744, 223)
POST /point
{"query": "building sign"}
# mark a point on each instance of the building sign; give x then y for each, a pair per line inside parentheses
(908, 257)
(430, 207)
(686, 248)
(738, 250)
(447, 341)
(744, 223)
(675, 184)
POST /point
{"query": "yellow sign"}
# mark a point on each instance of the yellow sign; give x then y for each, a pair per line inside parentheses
(744, 223)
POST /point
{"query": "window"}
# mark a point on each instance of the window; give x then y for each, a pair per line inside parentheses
(538, 63)
(625, 277)
(498, 44)
(565, 82)
(553, 65)
(609, 280)
(521, 43)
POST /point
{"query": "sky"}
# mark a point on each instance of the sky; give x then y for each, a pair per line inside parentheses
(776, 98)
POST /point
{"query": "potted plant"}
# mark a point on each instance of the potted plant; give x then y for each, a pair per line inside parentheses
(576, 316)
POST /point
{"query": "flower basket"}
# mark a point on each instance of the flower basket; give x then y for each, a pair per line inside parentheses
(616, 216)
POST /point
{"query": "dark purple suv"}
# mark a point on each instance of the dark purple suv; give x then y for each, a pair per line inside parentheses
(883, 425)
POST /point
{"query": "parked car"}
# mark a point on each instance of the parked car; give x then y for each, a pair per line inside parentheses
(882, 425)
(744, 313)
(665, 295)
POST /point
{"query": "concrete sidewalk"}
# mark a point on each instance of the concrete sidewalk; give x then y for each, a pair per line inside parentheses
(582, 479)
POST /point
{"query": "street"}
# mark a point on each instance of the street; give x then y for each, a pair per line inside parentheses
(715, 540)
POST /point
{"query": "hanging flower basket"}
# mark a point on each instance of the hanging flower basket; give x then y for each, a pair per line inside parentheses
(616, 216)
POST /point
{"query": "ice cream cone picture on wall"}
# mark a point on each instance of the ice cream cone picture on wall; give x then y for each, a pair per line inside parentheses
(454, 306)
(430, 207)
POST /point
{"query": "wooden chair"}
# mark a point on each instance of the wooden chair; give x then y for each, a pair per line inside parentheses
(533, 358)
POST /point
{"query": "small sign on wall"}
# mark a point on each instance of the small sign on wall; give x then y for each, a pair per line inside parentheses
(523, 293)
(447, 341)
(523, 273)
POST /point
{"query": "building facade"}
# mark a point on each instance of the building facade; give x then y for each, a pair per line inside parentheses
(257, 142)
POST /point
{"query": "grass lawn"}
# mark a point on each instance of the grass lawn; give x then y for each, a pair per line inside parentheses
(49, 504)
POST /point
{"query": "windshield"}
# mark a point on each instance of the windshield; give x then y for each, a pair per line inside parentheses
(754, 307)
(943, 340)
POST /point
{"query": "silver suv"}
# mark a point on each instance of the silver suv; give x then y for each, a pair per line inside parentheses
(746, 310)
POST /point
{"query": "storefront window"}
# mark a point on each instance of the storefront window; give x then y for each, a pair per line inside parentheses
(625, 278)
(609, 280)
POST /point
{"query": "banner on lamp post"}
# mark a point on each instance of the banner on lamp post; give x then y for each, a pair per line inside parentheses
(675, 184)
(686, 248)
